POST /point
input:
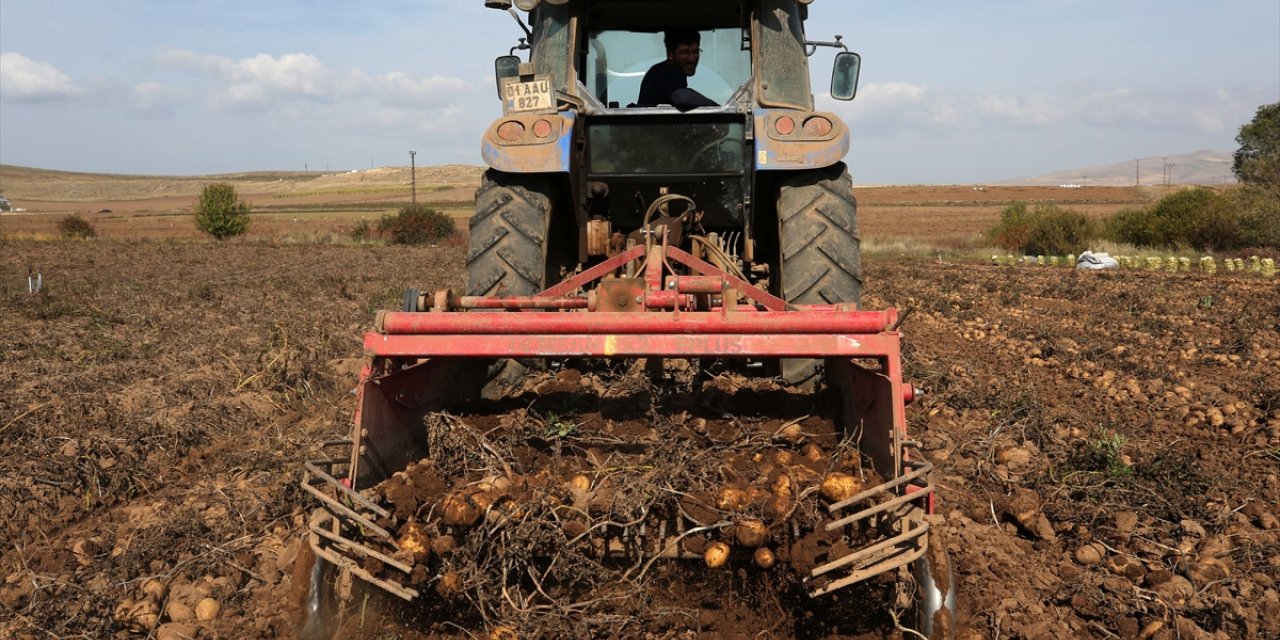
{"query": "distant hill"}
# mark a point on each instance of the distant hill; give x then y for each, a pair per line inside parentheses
(1199, 167)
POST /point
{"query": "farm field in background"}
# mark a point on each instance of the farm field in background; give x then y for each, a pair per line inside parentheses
(1107, 443)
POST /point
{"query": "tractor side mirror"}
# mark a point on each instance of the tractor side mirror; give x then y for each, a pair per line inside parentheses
(506, 67)
(844, 75)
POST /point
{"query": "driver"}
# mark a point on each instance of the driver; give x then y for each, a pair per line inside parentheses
(668, 81)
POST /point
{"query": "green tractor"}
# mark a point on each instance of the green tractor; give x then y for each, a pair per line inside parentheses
(577, 169)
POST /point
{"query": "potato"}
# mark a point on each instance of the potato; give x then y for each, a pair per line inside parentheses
(461, 509)
(155, 590)
(716, 555)
(208, 609)
(732, 499)
(443, 544)
(450, 584)
(179, 612)
(142, 615)
(840, 486)
(779, 507)
(813, 453)
(764, 558)
(782, 487)
(503, 633)
(750, 533)
(413, 538)
(791, 432)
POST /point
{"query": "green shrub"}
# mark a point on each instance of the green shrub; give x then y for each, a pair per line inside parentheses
(220, 213)
(1044, 230)
(362, 232)
(1201, 219)
(416, 224)
(75, 226)
(1257, 212)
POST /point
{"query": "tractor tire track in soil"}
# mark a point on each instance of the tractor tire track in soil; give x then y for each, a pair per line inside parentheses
(1108, 444)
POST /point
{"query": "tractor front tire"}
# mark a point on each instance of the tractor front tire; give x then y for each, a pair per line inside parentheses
(821, 261)
(507, 254)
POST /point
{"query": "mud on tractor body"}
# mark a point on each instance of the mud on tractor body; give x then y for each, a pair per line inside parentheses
(722, 236)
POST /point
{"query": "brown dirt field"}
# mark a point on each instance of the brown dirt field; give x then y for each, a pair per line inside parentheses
(294, 205)
(1108, 444)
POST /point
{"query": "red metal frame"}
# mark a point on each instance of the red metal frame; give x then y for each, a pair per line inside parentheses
(668, 315)
(424, 361)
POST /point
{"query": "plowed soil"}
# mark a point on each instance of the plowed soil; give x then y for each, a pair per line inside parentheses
(1107, 444)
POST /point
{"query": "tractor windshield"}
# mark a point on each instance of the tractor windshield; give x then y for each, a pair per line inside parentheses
(617, 61)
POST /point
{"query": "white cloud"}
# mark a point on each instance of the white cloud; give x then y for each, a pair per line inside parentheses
(25, 80)
(264, 81)
(154, 98)
(886, 108)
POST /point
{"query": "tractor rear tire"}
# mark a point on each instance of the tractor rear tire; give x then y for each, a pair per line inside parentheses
(507, 254)
(509, 232)
(821, 255)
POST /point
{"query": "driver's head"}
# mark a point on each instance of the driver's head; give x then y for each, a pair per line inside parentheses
(683, 49)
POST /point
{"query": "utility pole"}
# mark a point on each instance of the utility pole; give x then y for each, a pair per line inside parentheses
(413, 176)
(1137, 172)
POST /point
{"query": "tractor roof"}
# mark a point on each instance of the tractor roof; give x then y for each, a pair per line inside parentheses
(653, 15)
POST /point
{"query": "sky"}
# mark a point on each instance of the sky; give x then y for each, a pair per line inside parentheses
(950, 92)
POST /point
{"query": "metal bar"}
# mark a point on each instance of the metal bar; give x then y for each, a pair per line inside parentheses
(869, 572)
(697, 284)
(872, 550)
(627, 346)
(313, 467)
(362, 550)
(521, 302)
(923, 469)
(345, 510)
(770, 301)
(594, 273)
(883, 506)
(387, 585)
(613, 323)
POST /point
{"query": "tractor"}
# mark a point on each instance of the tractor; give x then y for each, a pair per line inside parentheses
(717, 229)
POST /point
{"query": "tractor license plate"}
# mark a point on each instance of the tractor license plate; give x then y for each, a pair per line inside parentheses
(528, 96)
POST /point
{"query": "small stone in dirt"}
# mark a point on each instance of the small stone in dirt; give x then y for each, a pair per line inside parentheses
(1126, 521)
(176, 631)
(69, 449)
(1208, 570)
(1014, 457)
(1176, 590)
(1192, 528)
(1127, 566)
(1090, 554)
(84, 550)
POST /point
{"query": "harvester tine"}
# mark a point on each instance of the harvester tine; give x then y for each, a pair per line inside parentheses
(313, 466)
(873, 553)
(361, 549)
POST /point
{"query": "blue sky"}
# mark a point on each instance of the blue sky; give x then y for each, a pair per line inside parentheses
(951, 92)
